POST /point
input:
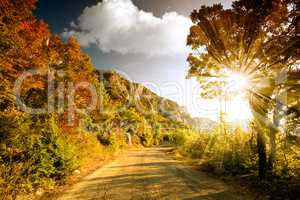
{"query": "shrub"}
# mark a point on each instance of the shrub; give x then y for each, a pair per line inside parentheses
(224, 153)
(195, 147)
(107, 140)
(146, 138)
(115, 138)
(178, 138)
(157, 136)
(40, 161)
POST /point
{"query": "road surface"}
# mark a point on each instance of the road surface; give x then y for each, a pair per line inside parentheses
(149, 174)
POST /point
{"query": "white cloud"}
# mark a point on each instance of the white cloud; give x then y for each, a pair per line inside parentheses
(119, 26)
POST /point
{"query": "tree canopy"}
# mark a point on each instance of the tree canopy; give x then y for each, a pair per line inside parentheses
(257, 38)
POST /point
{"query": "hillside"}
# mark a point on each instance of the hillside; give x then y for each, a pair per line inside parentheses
(143, 100)
(203, 124)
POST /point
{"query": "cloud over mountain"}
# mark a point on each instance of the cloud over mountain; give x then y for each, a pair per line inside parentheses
(119, 26)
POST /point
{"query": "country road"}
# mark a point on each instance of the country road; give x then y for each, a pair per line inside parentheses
(149, 174)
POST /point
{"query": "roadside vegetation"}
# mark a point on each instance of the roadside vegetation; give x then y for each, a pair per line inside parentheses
(234, 156)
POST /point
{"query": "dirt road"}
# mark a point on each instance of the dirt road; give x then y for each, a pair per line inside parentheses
(150, 174)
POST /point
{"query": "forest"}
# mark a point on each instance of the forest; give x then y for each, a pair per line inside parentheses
(46, 84)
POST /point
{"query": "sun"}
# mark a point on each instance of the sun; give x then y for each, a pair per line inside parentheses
(237, 86)
(237, 82)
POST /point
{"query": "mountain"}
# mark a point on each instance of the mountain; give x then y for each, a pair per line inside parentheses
(134, 95)
(203, 124)
(148, 103)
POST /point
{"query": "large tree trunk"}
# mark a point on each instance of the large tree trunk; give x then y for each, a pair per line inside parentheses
(261, 118)
(261, 146)
(272, 155)
(281, 99)
(273, 133)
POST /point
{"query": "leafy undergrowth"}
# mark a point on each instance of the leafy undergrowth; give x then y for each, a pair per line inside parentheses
(233, 157)
(46, 161)
(91, 159)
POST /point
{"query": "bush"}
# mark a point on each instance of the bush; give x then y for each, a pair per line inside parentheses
(53, 158)
(195, 147)
(107, 140)
(157, 136)
(147, 138)
(114, 139)
(41, 161)
(231, 153)
(178, 138)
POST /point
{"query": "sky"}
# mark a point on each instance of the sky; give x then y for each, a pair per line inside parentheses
(144, 40)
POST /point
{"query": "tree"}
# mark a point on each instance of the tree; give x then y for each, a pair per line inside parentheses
(257, 38)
